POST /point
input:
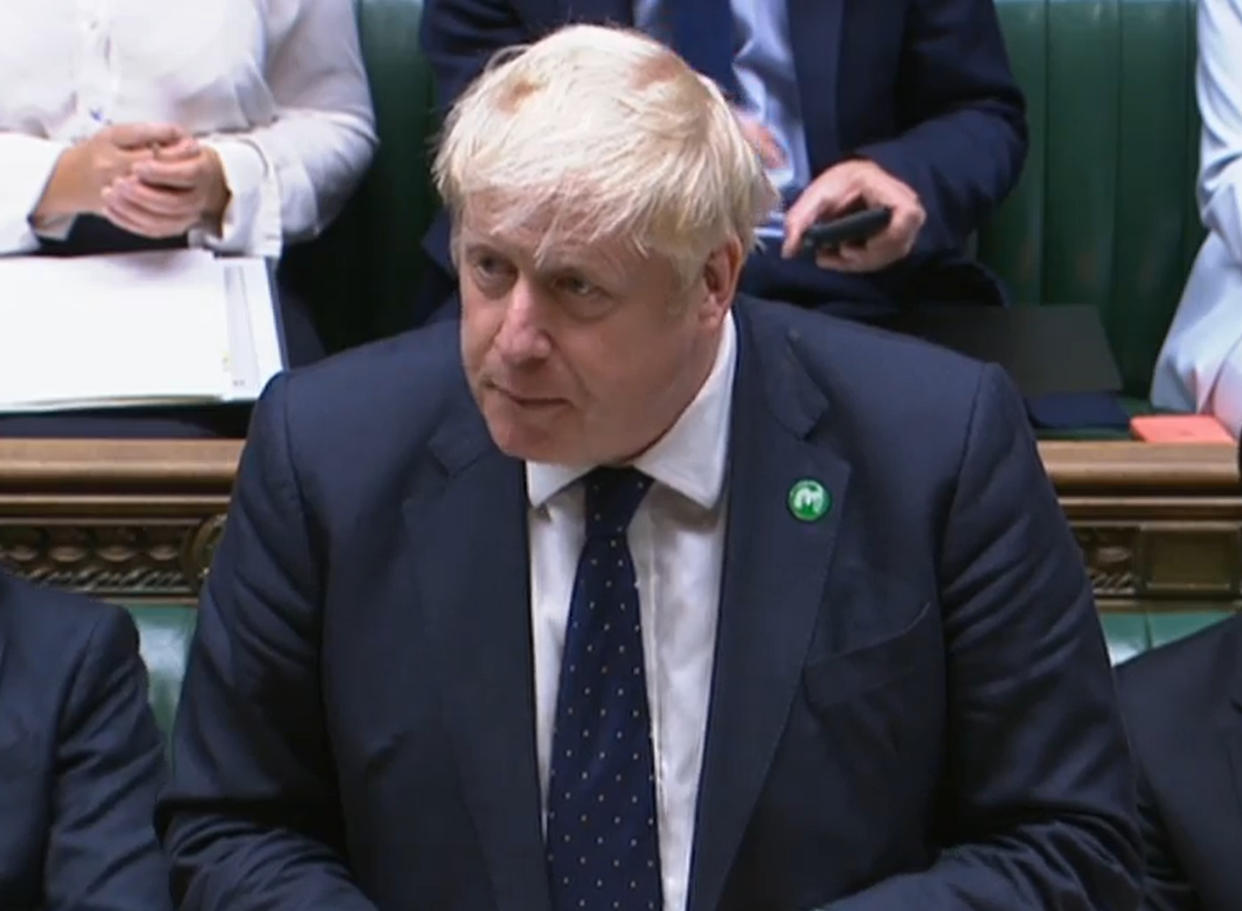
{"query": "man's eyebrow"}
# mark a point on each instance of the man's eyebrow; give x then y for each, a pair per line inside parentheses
(477, 243)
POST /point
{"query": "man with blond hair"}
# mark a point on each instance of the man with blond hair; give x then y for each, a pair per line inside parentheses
(637, 593)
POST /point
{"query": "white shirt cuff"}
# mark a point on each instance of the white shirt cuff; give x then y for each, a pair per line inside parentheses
(251, 221)
(28, 165)
(1223, 212)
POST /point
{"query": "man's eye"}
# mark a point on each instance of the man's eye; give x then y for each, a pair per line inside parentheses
(488, 265)
(490, 270)
(576, 286)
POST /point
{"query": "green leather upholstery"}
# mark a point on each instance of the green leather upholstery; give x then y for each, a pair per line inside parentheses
(164, 633)
(1129, 634)
(361, 275)
(1104, 212)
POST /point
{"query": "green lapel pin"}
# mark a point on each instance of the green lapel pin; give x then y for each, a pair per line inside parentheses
(809, 501)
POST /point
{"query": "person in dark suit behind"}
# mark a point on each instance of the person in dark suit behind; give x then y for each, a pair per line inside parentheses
(909, 104)
(1183, 708)
(628, 594)
(80, 758)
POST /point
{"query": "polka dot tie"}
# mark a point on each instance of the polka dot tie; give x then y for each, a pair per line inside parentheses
(602, 841)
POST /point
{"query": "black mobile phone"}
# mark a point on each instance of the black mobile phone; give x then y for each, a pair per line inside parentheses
(851, 228)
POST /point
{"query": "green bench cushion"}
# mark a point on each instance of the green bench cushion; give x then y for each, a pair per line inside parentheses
(1104, 212)
(164, 633)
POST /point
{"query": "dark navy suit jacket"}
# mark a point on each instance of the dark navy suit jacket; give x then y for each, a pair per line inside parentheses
(911, 704)
(80, 758)
(1183, 708)
(922, 87)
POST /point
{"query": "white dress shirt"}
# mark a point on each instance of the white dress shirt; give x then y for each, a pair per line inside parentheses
(276, 87)
(677, 541)
(1200, 365)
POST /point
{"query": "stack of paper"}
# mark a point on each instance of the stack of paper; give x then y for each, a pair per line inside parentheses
(156, 327)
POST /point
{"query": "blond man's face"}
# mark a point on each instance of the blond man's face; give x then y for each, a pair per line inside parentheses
(584, 357)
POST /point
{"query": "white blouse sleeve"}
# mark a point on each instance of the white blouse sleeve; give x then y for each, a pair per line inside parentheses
(289, 179)
(1220, 105)
(28, 165)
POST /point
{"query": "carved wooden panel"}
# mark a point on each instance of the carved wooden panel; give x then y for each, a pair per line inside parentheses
(1109, 554)
(156, 558)
(1175, 560)
(126, 520)
(139, 519)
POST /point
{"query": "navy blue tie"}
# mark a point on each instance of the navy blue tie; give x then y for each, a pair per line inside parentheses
(602, 836)
(703, 34)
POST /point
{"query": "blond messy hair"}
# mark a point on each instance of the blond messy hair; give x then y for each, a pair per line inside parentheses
(598, 133)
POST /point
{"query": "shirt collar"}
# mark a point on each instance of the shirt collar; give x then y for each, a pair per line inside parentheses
(690, 458)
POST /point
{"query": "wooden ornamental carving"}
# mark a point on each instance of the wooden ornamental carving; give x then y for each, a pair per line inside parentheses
(125, 520)
(1108, 553)
(139, 520)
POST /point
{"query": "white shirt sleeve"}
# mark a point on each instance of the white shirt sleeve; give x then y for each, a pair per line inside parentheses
(28, 165)
(1219, 87)
(289, 179)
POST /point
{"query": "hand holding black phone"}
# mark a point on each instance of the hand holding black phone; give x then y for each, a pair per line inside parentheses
(852, 228)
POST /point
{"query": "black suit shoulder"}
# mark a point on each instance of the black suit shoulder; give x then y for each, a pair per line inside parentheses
(868, 365)
(74, 725)
(1167, 692)
(1184, 735)
(415, 374)
(342, 438)
(53, 629)
(886, 393)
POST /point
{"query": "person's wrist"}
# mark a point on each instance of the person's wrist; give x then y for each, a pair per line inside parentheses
(63, 194)
(218, 194)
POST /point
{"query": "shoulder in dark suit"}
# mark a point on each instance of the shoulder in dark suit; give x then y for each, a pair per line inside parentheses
(1183, 709)
(80, 757)
(912, 705)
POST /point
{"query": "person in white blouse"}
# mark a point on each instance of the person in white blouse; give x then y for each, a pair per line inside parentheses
(242, 123)
(237, 126)
(1200, 364)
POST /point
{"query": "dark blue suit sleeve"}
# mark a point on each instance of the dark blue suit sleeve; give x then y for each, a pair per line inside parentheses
(1041, 783)
(102, 854)
(1165, 884)
(964, 137)
(250, 819)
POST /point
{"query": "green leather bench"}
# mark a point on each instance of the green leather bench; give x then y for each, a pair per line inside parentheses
(164, 633)
(1104, 213)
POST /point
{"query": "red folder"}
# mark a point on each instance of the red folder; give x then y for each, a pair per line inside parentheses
(1179, 428)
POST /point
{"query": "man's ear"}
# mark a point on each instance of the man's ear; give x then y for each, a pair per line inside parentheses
(720, 278)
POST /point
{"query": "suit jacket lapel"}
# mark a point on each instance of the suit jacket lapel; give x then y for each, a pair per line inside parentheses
(776, 567)
(815, 37)
(469, 539)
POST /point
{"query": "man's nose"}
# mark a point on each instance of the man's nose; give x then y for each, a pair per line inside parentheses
(523, 336)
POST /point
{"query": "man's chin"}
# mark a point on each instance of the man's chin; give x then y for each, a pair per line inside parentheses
(529, 443)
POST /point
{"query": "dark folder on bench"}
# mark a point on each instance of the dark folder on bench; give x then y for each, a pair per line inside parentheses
(1057, 354)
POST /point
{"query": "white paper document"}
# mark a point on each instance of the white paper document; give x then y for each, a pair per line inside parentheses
(168, 326)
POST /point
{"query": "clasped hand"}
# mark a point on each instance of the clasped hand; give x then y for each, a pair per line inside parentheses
(150, 179)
